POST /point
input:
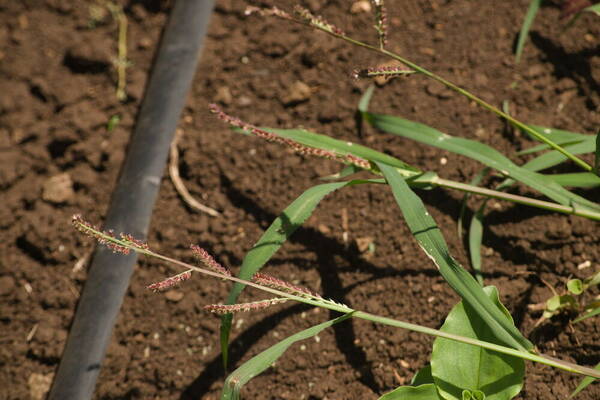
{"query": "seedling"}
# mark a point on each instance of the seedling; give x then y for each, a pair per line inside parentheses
(571, 9)
(498, 368)
(567, 300)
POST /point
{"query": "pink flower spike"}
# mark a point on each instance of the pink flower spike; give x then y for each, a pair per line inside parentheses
(317, 21)
(209, 261)
(135, 242)
(170, 282)
(380, 21)
(279, 284)
(103, 237)
(267, 12)
(297, 147)
(243, 307)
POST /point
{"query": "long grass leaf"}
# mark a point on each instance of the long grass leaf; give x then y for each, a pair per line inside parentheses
(597, 154)
(558, 136)
(587, 315)
(475, 240)
(585, 382)
(552, 158)
(529, 17)
(463, 206)
(279, 231)
(431, 240)
(259, 363)
(480, 152)
(365, 99)
(344, 173)
(576, 179)
(341, 147)
(595, 9)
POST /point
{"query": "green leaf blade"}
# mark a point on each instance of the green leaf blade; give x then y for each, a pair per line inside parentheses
(422, 392)
(273, 238)
(587, 315)
(597, 153)
(594, 9)
(479, 152)
(457, 366)
(585, 382)
(552, 158)
(527, 22)
(259, 363)
(576, 179)
(558, 136)
(475, 241)
(324, 142)
(430, 238)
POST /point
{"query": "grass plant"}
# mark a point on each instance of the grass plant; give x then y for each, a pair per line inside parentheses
(571, 9)
(497, 367)
(478, 353)
(567, 300)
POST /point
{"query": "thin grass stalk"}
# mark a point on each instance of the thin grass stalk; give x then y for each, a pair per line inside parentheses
(340, 35)
(490, 193)
(119, 244)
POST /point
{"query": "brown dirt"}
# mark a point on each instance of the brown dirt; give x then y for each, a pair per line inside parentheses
(58, 158)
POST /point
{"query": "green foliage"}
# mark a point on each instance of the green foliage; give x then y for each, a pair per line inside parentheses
(575, 286)
(585, 382)
(479, 152)
(457, 367)
(113, 122)
(461, 371)
(576, 143)
(532, 11)
(475, 240)
(342, 147)
(422, 392)
(576, 179)
(597, 154)
(431, 240)
(529, 17)
(594, 9)
(259, 363)
(279, 231)
(487, 370)
(568, 300)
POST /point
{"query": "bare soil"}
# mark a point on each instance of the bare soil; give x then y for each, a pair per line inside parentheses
(57, 158)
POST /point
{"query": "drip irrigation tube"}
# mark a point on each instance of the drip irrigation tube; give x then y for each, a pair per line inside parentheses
(133, 199)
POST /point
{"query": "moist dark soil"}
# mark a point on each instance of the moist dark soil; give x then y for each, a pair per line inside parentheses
(58, 157)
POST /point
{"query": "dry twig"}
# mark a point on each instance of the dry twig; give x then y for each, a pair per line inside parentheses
(178, 183)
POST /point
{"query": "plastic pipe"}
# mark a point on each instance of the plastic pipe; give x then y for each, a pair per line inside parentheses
(133, 199)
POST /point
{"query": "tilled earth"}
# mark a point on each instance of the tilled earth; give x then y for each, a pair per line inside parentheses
(58, 157)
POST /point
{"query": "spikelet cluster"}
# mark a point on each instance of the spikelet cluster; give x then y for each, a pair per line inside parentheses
(102, 237)
(243, 307)
(170, 281)
(304, 16)
(268, 12)
(279, 284)
(317, 21)
(297, 147)
(380, 21)
(386, 70)
(208, 260)
(134, 242)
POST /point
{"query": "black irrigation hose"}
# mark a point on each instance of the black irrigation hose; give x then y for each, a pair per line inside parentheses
(133, 199)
